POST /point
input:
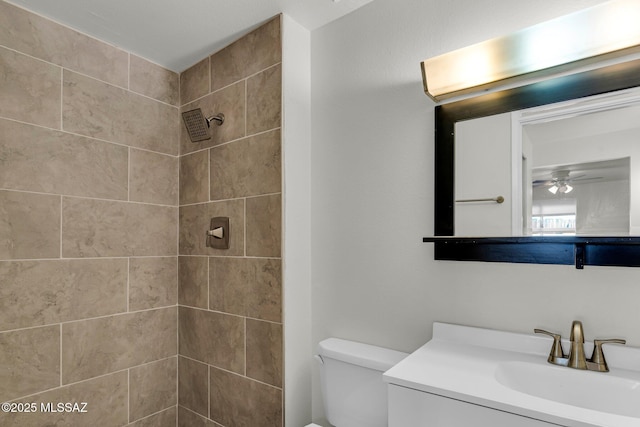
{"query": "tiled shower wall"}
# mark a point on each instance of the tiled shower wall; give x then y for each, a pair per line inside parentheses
(89, 144)
(230, 303)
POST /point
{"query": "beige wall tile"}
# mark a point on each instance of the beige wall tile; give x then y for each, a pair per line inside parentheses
(264, 352)
(228, 285)
(100, 110)
(193, 281)
(166, 418)
(247, 167)
(99, 346)
(193, 385)
(153, 282)
(36, 36)
(29, 225)
(37, 293)
(29, 362)
(48, 161)
(195, 220)
(254, 52)
(213, 338)
(194, 82)
(194, 178)
(264, 100)
(246, 286)
(240, 286)
(30, 89)
(186, 418)
(106, 399)
(95, 228)
(229, 101)
(239, 401)
(152, 388)
(264, 226)
(153, 80)
(154, 178)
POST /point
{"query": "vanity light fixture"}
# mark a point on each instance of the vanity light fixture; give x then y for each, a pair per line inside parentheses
(606, 31)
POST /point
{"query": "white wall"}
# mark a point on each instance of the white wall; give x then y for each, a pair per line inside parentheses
(296, 152)
(373, 280)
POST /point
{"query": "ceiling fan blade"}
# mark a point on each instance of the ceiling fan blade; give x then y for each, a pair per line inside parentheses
(585, 179)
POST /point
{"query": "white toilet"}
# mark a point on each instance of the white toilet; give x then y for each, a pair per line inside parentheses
(353, 392)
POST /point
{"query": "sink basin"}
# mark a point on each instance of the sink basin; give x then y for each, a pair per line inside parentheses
(507, 374)
(585, 389)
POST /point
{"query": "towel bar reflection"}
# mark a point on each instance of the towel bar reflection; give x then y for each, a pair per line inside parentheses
(498, 199)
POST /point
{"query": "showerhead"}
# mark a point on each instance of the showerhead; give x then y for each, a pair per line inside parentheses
(198, 125)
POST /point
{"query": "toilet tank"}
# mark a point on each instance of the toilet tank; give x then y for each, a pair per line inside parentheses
(353, 392)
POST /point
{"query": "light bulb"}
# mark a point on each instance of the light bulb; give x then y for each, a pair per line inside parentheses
(553, 189)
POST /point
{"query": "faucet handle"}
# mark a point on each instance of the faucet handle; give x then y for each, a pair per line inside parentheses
(598, 361)
(556, 349)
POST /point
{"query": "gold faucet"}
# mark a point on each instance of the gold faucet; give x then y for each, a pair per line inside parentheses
(576, 358)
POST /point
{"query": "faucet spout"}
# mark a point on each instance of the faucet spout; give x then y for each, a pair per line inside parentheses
(577, 358)
(577, 334)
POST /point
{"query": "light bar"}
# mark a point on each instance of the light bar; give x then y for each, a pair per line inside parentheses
(606, 31)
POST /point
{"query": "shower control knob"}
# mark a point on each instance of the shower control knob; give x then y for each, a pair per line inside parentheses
(218, 233)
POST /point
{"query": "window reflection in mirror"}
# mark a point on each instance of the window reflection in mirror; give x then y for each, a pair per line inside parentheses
(581, 199)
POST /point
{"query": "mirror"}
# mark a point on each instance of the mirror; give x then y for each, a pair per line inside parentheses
(450, 119)
(603, 250)
(564, 169)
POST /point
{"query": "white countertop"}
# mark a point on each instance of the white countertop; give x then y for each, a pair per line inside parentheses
(460, 362)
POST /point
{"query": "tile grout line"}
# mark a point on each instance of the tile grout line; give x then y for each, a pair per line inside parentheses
(209, 74)
(212, 91)
(121, 313)
(235, 373)
(262, 132)
(132, 202)
(92, 378)
(231, 314)
(67, 27)
(93, 138)
(153, 415)
(96, 78)
(177, 383)
(61, 99)
(128, 282)
(246, 104)
(60, 354)
(128, 174)
(209, 186)
(61, 223)
(128, 395)
(105, 258)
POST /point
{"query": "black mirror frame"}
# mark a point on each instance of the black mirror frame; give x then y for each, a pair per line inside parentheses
(549, 250)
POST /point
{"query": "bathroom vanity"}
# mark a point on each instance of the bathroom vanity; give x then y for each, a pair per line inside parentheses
(471, 376)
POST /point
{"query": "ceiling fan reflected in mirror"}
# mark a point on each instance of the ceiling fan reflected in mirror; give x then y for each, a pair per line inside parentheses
(561, 181)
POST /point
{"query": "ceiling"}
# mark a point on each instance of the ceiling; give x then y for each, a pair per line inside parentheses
(178, 33)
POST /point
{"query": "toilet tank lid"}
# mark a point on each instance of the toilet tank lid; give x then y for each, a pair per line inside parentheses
(365, 355)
